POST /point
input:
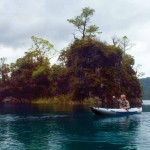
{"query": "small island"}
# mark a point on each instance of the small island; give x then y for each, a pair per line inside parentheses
(88, 70)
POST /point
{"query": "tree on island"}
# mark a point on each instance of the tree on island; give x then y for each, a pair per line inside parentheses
(82, 23)
(88, 68)
(4, 70)
(30, 74)
(93, 63)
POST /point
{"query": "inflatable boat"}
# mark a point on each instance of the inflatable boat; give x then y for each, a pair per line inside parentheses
(115, 111)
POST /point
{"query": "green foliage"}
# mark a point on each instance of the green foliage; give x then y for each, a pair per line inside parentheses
(93, 63)
(82, 23)
(31, 72)
(88, 68)
(4, 70)
(124, 43)
(41, 71)
(42, 48)
(59, 80)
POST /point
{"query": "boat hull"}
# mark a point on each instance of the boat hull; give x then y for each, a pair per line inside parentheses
(110, 111)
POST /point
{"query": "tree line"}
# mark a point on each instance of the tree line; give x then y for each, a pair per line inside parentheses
(145, 83)
(86, 68)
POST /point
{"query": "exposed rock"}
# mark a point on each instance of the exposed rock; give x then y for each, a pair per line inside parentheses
(14, 100)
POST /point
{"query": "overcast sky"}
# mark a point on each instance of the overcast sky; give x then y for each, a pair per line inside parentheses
(21, 19)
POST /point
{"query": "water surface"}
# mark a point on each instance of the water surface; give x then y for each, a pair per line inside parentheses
(66, 127)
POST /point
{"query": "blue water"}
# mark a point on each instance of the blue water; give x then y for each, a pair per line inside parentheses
(47, 127)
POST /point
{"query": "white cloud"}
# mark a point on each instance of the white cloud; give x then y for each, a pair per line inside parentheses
(21, 19)
(10, 53)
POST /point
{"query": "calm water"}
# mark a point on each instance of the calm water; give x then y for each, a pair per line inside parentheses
(71, 128)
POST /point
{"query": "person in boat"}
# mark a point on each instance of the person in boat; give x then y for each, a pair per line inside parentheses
(123, 102)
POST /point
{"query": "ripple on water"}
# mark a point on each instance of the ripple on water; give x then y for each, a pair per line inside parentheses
(14, 118)
(73, 131)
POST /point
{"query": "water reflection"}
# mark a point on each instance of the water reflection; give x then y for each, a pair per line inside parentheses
(52, 127)
(119, 131)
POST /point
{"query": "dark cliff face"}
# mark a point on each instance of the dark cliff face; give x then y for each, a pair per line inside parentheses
(4, 92)
(7, 95)
(145, 84)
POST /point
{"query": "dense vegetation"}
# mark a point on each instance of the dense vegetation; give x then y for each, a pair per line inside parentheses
(145, 83)
(87, 68)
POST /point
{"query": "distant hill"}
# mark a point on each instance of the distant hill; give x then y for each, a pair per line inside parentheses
(145, 83)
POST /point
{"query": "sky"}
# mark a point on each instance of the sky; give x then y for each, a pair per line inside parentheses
(22, 19)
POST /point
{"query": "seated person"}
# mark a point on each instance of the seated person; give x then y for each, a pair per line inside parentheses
(123, 102)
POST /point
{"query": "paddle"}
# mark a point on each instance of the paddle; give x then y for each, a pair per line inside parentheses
(127, 109)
